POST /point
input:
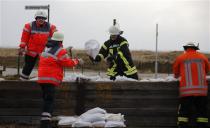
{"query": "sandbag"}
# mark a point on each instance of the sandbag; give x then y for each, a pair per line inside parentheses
(95, 110)
(100, 124)
(80, 123)
(111, 124)
(92, 117)
(66, 121)
(114, 117)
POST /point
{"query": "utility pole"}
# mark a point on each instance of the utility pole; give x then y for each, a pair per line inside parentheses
(156, 53)
(37, 7)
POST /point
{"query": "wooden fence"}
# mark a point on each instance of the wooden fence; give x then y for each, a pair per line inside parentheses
(144, 104)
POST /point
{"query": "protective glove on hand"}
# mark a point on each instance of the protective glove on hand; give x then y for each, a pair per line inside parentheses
(97, 58)
(21, 51)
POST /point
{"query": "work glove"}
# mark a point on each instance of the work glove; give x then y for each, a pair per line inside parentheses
(21, 51)
(112, 78)
(97, 59)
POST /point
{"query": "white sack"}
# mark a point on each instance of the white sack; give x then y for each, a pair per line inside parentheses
(92, 48)
(114, 117)
(95, 110)
(99, 124)
(92, 117)
(110, 124)
(80, 123)
(66, 121)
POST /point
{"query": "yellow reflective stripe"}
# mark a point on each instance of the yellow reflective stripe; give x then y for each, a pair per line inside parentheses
(111, 51)
(101, 55)
(202, 120)
(123, 58)
(110, 71)
(183, 119)
(131, 71)
(124, 42)
(103, 46)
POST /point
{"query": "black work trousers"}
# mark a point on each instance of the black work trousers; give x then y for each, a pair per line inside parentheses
(28, 66)
(192, 112)
(48, 96)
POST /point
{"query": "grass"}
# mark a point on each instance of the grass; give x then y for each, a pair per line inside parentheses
(144, 60)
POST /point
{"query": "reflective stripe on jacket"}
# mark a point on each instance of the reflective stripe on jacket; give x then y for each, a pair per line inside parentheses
(192, 67)
(34, 37)
(51, 65)
(122, 62)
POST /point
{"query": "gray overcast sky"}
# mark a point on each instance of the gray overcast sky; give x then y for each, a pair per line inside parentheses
(80, 20)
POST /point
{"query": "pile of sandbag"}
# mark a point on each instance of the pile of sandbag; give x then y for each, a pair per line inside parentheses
(95, 117)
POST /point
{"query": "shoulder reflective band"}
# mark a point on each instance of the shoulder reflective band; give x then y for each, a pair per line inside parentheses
(124, 42)
(103, 46)
(46, 55)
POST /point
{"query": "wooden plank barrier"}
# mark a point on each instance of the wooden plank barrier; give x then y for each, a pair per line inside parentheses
(144, 104)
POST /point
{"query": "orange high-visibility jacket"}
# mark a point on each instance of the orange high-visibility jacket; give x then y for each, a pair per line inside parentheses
(192, 67)
(50, 69)
(34, 37)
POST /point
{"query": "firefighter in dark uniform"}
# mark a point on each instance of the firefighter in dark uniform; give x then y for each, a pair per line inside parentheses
(117, 55)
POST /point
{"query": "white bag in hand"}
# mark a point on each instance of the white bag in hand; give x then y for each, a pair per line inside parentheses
(114, 117)
(111, 124)
(92, 48)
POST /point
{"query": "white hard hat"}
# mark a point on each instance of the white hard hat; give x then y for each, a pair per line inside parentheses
(57, 36)
(114, 30)
(191, 45)
(40, 13)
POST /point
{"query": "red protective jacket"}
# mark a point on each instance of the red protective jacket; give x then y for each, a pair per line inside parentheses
(34, 37)
(192, 67)
(50, 69)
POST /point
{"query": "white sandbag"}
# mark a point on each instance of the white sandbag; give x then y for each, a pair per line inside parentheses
(95, 110)
(66, 121)
(99, 124)
(114, 117)
(93, 117)
(111, 124)
(80, 123)
(92, 48)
